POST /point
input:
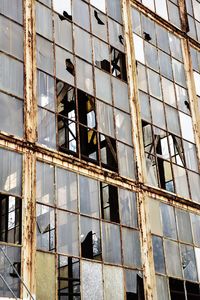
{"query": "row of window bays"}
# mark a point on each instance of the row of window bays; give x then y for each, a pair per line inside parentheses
(85, 124)
(81, 205)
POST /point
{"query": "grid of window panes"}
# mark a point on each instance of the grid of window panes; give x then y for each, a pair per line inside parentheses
(11, 66)
(91, 119)
(10, 221)
(167, 9)
(195, 56)
(193, 11)
(79, 217)
(171, 158)
(176, 250)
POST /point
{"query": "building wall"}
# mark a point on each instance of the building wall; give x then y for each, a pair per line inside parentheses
(99, 149)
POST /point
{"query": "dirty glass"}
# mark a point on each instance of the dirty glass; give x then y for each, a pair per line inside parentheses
(44, 183)
(128, 208)
(113, 283)
(184, 226)
(67, 233)
(173, 263)
(67, 189)
(92, 280)
(45, 221)
(89, 196)
(11, 177)
(188, 262)
(46, 128)
(158, 254)
(111, 243)
(126, 162)
(90, 238)
(131, 248)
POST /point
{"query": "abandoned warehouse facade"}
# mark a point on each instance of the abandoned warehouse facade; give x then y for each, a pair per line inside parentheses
(99, 149)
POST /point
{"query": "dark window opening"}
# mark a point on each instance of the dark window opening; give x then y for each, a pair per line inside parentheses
(69, 66)
(193, 291)
(87, 126)
(91, 246)
(135, 290)
(104, 65)
(10, 219)
(68, 278)
(65, 16)
(99, 21)
(177, 290)
(108, 153)
(118, 64)
(67, 131)
(109, 202)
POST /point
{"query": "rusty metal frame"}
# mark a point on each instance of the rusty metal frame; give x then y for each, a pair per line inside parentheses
(32, 151)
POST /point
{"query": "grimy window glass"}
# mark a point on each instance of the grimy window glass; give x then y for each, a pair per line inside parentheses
(84, 44)
(79, 218)
(176, 251)
(12, 68)
(10, 221)
(168, 135)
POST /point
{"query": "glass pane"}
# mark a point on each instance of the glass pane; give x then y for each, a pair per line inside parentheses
(90, 237)
(46, 128)
(168, 221)
(11, 172)
(126, 162)
(162, 287)
(12, 69)
(103, 86)
(44, 183)
(188, 262)
(158, 254)
(128, 208)
(184, 226)
(67, 233)
(172, 256)
(45, 228)
(44, 21)
(82, 42)
(131, 248)
(123, 127)
(195, 220)
(45, 91)
(120, 94)
(105, 118)
(89, 196)
(67, 189)
(113, 283)
(63, 32)
(80, 13)
(92, 280)
(111, 243)
(11, 115)
(11, 37)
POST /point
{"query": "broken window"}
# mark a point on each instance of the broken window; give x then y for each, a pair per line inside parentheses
(68, 278)
(67, 128)
(109, 203)
(90, 238)
(45, 228)
(118, 64)
(10, 219)
(193, 8)
(8, 271)
(167, 125)
(134, 285)
(167, 9)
